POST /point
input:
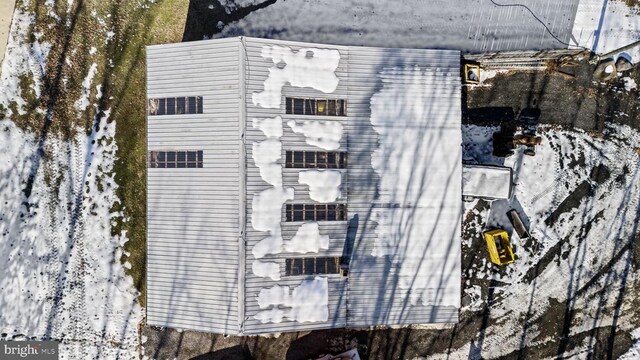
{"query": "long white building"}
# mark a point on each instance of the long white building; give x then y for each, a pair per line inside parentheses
(297, 186)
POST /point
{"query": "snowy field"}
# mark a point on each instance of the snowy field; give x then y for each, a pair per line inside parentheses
(60, 270)
(61, 276)
(61, 273)
(594, 238)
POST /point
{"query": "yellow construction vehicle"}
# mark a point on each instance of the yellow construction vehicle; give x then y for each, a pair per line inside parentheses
(499, 247)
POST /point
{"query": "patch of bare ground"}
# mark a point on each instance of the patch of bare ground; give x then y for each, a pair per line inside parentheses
(575, 101)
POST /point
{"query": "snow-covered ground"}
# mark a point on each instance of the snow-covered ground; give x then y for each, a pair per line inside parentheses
(21, 58)
(83, 102)
(60, 272)
(597, 230)
(634, 352)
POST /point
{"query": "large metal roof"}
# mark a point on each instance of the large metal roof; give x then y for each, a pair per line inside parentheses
(402, 188)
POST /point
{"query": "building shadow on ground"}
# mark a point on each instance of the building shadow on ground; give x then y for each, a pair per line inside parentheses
(207, 18)
(238, 352)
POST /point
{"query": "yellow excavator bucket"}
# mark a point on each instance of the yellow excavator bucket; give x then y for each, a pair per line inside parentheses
(499, 247)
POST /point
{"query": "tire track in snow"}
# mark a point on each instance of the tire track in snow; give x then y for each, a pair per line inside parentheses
(548, 190)
(79, 324)
(71, 294)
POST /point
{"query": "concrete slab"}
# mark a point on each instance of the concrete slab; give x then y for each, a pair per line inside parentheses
(6, 14)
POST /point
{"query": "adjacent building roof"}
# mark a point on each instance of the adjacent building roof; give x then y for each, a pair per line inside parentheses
(231, 243)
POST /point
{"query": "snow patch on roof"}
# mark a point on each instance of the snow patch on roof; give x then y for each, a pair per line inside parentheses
(307, 239)
(417, 135)
(307, 303)
(305, 67)
(82, 103)
(271, 127)
(324, 185)
(266, 155)
(273, 315)
(323, 134)
(419, 163)
(266, 205)
(266, 269)
(273, 296)
(266, 216)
